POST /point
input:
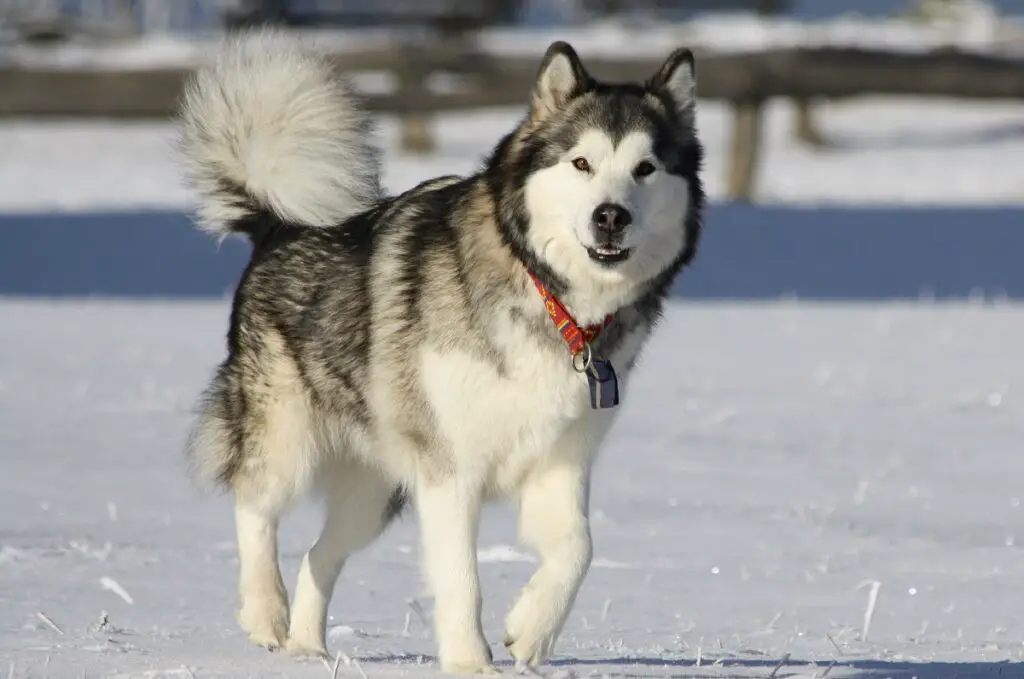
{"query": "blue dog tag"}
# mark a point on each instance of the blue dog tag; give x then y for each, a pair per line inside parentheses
(604, 385)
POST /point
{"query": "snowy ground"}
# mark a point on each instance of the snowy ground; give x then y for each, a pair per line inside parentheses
(890, 151)
(773, 460)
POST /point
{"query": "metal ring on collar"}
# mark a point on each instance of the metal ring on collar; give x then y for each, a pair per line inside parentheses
(587, 359)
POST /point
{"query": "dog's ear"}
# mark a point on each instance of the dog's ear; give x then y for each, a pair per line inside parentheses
(677, 77)
(560, 78)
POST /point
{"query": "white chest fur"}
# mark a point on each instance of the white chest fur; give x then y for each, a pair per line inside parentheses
(501, 417)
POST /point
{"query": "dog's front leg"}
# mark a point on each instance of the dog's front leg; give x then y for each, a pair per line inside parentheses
(449, 512)
(553, 521)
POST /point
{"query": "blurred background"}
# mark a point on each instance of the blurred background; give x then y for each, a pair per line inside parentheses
(856, 148)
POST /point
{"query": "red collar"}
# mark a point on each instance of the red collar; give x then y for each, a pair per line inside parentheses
(576, 337)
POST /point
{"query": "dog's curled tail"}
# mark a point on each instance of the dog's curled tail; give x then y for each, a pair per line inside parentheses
(268, 127)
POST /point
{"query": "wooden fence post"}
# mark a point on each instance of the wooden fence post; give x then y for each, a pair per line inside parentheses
(746, 150)
(805, 125)
(416, 126)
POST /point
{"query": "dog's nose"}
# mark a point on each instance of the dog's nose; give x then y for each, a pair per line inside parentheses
(611, 218)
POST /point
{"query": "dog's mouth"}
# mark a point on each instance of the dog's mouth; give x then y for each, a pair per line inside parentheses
(609, 254)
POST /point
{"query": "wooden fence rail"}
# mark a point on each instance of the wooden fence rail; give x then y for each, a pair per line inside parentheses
(745, 80)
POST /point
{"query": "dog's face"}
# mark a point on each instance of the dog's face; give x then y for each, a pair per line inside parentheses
(610, 172)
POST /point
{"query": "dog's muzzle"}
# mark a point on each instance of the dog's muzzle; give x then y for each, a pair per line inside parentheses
(609, 223)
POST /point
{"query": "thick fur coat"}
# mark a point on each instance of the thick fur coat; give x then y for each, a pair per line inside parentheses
(393, 350)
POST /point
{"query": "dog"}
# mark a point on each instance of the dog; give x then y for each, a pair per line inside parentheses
(463, 342)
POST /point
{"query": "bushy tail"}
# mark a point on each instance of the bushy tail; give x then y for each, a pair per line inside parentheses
(269, 126)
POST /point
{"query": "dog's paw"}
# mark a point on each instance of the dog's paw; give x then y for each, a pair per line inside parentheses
(266, 640)
(532, 628)
(469, 668)
(529, 652)
(306, 638)
(266, 623)
(299, 648)
(468, 659)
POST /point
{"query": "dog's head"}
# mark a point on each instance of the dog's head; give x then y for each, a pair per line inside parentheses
(606, 176)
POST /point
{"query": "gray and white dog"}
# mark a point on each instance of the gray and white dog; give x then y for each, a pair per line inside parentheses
(462, 342)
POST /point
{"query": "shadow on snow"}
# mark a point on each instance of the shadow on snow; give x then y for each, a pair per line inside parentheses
(745, 668)
(829, 253)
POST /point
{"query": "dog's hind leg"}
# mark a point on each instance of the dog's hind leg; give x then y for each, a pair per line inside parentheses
(230, 448)
(277, 470)
(263, 416)
(360, 503)
(264, 489)
(263, 613)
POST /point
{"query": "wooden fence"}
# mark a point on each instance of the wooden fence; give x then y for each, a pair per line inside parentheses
(745, 80)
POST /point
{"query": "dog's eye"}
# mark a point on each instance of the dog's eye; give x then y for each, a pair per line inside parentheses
(643, 169)
(581, 164)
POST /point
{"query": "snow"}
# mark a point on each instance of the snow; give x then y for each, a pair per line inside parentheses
(885, 151)
(772, 461)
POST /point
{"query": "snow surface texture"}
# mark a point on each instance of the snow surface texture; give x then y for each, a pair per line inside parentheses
(772, 463)
(891, 151)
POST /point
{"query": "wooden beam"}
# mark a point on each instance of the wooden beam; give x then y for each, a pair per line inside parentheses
(500, 81)
(503, 81)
